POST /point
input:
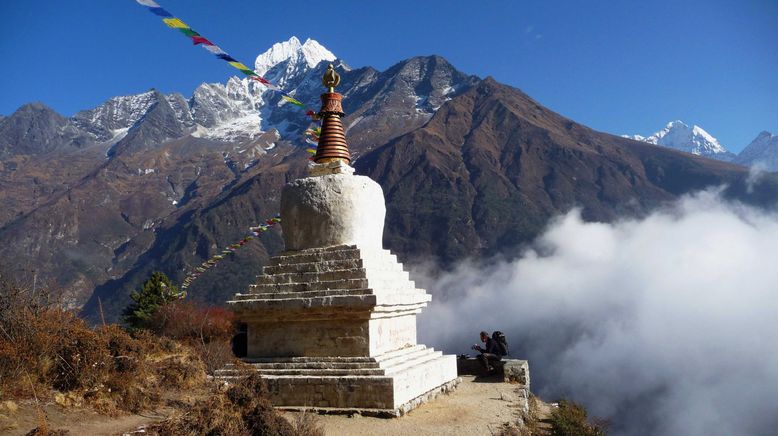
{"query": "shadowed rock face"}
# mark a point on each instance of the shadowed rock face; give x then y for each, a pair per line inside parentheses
(469, 167)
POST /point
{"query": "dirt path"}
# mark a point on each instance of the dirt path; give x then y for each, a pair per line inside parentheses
(79, 421)
(474, 408)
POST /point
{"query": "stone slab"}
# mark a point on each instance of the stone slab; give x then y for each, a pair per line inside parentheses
(509, 370)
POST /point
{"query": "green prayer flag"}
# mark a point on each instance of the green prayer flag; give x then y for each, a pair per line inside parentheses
(188, 32)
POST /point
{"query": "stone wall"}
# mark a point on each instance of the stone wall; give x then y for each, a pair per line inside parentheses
(326, 337)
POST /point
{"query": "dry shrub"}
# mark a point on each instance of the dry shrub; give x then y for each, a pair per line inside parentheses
(241, 409)
(208, 330)
(188, 322)
(45, 348)
(306, 423)
(570, 419)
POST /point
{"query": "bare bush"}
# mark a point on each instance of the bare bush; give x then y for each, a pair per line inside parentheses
(241, 409)
(208, 330)
(44, 348)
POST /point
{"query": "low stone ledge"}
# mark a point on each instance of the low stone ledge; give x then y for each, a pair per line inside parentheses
(508, 370)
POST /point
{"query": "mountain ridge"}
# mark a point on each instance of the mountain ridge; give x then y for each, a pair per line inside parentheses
(469, 167)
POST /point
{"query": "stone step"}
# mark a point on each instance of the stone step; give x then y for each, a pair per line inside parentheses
(311, 277)
(310, 359)
(252, 302)
(396, 283)
(394, 357)
(320, 372)
(316, 286)
(316, 365)
(340, 252)
(321, 266)
(372, 265)
(302, 294)
(414, 361)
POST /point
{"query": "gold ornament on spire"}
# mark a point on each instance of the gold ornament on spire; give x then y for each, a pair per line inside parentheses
(332, 140)
(331, 79)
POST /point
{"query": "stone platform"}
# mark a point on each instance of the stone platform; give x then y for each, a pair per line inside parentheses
(335, 329)
(387, 385)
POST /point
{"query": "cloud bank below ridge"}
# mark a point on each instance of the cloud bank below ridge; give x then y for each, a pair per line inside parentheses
(665, 325)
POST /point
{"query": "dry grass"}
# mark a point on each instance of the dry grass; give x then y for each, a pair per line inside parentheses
(45, 349)
(241, 409)
(207, 330)
(306, 423)
(48, 352)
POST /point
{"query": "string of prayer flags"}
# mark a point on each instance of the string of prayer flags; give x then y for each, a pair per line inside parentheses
(254, 232)
(197, 39)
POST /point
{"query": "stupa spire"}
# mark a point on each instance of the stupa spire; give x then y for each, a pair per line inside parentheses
(332, 140)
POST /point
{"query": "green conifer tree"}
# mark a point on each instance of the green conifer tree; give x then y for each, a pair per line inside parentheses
(155, 292)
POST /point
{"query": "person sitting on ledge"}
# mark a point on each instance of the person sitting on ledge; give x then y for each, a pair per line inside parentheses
(489, 354)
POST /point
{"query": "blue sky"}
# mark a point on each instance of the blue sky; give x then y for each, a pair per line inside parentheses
(617, 66)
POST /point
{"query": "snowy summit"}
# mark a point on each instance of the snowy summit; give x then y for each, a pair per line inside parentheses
(283, 59)
(694, 140)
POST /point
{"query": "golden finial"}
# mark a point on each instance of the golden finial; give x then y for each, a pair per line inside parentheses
(331, 79)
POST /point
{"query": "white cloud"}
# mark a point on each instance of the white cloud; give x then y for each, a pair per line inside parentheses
(667, 325)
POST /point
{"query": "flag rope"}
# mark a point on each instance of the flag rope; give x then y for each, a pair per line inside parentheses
(254, 232)
(312, 134)
(198, 39)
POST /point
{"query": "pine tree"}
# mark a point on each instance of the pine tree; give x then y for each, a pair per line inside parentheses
(157, 291)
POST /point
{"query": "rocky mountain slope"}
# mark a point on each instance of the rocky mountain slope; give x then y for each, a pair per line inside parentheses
(84, 197)
(469, 167)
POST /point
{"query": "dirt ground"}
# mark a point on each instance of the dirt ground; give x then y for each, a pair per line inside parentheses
(476, 407)
(78, 421)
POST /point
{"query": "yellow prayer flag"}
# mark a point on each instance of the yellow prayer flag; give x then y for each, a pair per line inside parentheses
(239, 66)
(292, 100)
(175, 23)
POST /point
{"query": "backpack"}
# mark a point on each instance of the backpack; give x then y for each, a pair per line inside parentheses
(502, 342)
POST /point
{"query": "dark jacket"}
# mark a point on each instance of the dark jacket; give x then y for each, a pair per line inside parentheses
(492, 347)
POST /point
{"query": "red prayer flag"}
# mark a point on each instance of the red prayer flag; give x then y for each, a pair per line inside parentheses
(200, 40)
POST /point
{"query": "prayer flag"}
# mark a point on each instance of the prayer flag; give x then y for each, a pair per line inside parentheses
(238, 65)
(200, 40)
(292, 100)
(214, 49)
(149, 3)
(189, 32)
(226, 57)
(161, 12)
(175, 23)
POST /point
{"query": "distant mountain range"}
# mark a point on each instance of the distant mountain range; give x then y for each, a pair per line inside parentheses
(469, 167)
(763, 151)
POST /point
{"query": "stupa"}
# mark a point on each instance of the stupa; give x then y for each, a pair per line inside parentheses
(331, 321)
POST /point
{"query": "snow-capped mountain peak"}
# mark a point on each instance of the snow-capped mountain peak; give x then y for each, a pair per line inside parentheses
(309, 53)
(691, 139)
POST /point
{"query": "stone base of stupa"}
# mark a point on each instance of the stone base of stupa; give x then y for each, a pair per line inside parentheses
(334, 329)
(387, 385)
